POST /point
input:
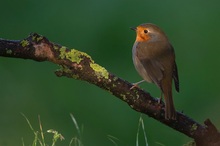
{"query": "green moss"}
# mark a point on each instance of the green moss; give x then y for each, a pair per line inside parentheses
(8, 51)
(34, 37)
(39, 38)
(100, 71)
(115, 78)
(55, 47)
(73, 55)
(65, 69)
(77, 56)
(114, 86)
(194, 127)
(62, 52)
(128, 93)
(191, 143)
(75, 76)
(123, 97)
(24, 43)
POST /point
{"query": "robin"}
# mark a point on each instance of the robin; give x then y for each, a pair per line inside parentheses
(154, 59)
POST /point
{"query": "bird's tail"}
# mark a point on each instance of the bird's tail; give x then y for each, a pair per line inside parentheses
(170, 112)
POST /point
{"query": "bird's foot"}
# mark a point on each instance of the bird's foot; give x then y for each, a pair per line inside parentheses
(136, 84)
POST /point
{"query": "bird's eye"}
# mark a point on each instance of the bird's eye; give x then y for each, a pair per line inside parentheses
(145, 31)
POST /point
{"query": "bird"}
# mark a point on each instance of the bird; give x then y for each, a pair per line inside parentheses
(154, 59)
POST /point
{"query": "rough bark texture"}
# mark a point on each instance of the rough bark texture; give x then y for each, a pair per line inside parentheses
(79, 65)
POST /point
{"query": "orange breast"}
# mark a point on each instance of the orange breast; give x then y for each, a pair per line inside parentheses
(142, 38)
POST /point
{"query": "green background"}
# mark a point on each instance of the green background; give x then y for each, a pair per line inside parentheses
(101, 28)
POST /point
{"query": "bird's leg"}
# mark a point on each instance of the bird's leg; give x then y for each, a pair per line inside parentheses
(136, 84)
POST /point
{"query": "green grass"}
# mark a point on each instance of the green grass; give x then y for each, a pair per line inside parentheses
(77, 141)
(39, 136)
(141, 126)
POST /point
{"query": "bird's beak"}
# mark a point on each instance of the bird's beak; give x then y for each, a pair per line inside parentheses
(133, 28)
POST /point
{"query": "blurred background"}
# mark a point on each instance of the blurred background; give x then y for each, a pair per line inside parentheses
(101, 29)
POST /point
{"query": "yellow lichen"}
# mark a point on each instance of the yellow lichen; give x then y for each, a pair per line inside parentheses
(115, 78)
(39, 38)
(36, 38)
(73, 55)
(77, 56)
(33, 37)
(75, 76)
(55, 47)
(100, 71)
(194, 127)
(8, 51)
(123, 97)
(62, 52)
(24, 43)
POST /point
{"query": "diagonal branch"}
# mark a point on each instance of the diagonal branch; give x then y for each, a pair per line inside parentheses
(79, 65)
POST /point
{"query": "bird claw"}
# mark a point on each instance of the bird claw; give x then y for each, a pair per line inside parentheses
(159, 100)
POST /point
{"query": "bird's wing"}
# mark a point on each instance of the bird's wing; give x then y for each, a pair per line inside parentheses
(154, 70)
(175, 77)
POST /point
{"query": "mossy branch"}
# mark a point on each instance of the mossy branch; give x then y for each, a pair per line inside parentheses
(79, 65)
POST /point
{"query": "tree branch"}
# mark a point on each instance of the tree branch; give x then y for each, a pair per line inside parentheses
(79, 65)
